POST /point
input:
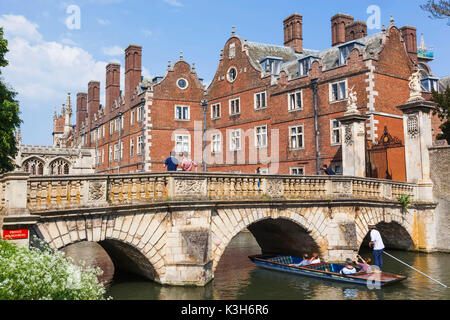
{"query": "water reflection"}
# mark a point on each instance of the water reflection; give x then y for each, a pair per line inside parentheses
(237, 278)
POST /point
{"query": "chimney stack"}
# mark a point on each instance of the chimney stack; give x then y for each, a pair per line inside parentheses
(338, 23)
(93, 100)
(133, 64)
(293, 32)
(355, 30)
(81, 110)
(112, 84)
(409, 35)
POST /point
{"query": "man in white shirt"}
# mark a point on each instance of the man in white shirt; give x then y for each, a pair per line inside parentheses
(377, 244)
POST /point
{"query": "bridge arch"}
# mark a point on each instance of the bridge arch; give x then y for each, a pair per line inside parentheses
(396, 226)
(134, 240)
(308, 225)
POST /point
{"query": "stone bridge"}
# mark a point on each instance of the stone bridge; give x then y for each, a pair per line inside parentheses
(174, 227)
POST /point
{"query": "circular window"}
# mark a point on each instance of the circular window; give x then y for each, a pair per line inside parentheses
(231, 74)
(182, 83)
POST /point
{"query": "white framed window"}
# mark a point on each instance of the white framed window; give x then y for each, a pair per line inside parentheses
(215, 111)
(122, 119)
(296, 138)
(131, 147)
(335, 131)
(103, 155)
(216, 146)
(103, 131)
(116, 124)
(132, 117)
(338, 90)
(139, 113)
(116, 151)
(111, 127)
(295, 100)
(231, 74)
(182, 143)
(260, 100)
(121, 150)
(110, 154)
(261, 136)
(140, 144)
(182, 112)
(232, 51)
(235, 140)
(98, 155)
(235, 107)
(297, 171)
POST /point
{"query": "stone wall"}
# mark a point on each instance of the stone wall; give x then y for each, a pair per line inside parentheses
(440, 174)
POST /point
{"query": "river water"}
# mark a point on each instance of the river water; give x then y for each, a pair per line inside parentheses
(238, 278)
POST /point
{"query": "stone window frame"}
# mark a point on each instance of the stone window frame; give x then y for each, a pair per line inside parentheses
(230, 102)
(330, 91)
(216, 143)
(296, 108)
(187, 84)
(132, 117)
(228, 74)
(237, 136)
(139, 113)
(260, 93)
(216, 107)
(332, 129)
(116, 152)
(139, 144)
(302, 134)
(110, 154)
(297, 168)
(183, 135)
(182, 112)
(131, 147)
(262, 135)
(111, 127)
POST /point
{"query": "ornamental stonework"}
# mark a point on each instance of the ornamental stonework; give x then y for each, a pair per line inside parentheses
(348, 136)
(274, 188)
(412, 125)
(190, 187)
(97, 191)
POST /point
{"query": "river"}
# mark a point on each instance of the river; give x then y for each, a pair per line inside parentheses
(237, 278)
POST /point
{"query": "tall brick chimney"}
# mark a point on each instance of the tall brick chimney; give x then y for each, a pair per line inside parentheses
(338, 23)
(112, 84)
(293, 32)
(409, 35)
(93, 99)
(355, 30)
(81, 110)
(133, 61)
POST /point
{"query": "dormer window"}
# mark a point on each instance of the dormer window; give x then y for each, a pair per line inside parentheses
(304, 64)
(272, 65)
(345, 49)
(430, 83)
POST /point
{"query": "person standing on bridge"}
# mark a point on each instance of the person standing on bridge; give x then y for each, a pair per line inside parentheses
(378, 246)
(171, 162)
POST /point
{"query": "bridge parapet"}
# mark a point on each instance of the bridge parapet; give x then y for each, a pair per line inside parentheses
(56, 193)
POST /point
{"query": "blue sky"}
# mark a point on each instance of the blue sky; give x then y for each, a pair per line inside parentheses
(47, 59)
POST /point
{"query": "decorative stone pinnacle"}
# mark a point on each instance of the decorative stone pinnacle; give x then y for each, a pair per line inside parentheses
(392, 19)
(384, 28)
(181, 55)
(233, 30)
(168, 65)
(193, 67)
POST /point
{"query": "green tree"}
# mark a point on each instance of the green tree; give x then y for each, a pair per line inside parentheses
(9, 115)
(439, 9)
(443, 101)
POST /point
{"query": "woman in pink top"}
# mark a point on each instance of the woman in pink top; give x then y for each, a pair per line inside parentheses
(365, 266)
(187, 164)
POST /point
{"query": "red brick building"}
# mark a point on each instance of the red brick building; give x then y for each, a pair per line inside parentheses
(269, 106)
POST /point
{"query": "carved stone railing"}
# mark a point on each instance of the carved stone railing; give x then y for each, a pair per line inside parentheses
(59, 193)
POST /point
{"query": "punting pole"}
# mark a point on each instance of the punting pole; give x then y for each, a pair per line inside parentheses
(415, 269)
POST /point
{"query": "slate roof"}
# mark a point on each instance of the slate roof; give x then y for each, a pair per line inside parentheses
(445, 81)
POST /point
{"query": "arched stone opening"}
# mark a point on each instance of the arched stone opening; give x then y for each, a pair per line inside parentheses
(128, 259)
(283, 236)
(394, 236)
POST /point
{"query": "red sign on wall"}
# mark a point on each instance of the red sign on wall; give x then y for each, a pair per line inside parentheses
(15, 234)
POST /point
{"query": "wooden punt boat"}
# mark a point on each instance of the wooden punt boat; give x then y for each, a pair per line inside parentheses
(328, 271)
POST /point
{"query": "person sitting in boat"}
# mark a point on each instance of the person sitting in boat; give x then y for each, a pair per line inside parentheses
(364, 264)
(348, 269)
(304, 262)
(314, 259)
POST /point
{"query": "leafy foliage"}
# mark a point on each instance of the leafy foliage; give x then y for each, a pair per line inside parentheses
(405, 200)
(439, 9)
(443, 101)
(9, 116)
(32, 274)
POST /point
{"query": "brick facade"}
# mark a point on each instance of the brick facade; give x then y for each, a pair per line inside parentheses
(256, 89)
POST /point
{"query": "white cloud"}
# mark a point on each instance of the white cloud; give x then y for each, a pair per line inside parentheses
(174, 3)
(113, 51)
(20, 27)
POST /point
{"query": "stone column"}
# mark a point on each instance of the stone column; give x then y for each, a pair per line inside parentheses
(16, 217)
(418, 138)
(353, 144)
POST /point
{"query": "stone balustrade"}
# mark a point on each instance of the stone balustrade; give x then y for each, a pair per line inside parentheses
(56, 193)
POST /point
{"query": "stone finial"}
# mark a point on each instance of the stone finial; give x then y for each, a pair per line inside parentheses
(55, 115)
(415, 86)
(352, 108)
(69, 104)
(19, 136)
(181, 55)
(383, 28)
(193, 67)
(392, 19)
(233, 31)
(63, 110)
(168, 65)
